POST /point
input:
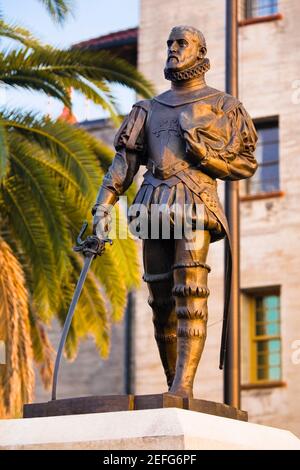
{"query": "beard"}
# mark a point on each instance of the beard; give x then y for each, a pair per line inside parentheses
(197, 70)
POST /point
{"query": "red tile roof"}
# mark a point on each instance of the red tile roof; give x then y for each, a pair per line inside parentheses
(117, 38)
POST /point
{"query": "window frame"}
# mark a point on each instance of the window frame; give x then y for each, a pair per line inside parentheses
(254, 338)
(251, 12)
(260, 124)
(246, 20)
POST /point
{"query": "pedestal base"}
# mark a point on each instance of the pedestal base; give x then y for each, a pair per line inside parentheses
(156, 429)
(105, 404)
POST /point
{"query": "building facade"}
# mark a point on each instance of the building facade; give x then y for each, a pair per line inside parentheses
(269, 72)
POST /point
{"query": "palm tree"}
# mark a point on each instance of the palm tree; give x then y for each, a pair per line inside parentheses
(58, 9)
(50, 172)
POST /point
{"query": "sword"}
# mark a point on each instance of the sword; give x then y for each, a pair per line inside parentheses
(91, 247)
(226, 314)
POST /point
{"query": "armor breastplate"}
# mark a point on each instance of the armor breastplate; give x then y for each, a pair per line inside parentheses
(165, 143)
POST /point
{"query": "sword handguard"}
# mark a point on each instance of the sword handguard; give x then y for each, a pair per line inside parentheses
(92, 245)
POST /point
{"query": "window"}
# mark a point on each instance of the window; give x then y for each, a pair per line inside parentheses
(265, 340)
(258, 8)
(266, 178)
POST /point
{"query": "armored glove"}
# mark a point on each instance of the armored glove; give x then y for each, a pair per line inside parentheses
(102, 220)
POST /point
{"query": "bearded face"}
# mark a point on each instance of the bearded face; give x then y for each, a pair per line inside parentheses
(184, 51)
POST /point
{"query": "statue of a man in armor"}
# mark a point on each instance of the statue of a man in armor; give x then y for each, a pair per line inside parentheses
(187, 137)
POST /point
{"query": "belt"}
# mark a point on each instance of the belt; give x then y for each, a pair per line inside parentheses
(155, 182)
(192, 175)
(167, 172)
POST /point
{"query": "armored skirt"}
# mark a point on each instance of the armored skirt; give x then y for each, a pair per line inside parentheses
(170, 208)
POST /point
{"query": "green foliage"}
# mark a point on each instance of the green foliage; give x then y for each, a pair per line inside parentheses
(50, 172)
(58, 9)
(4, 152)
(17, 33)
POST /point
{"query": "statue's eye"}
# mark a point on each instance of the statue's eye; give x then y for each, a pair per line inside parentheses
(182, 42)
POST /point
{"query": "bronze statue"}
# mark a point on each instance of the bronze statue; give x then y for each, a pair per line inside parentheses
(188, 137)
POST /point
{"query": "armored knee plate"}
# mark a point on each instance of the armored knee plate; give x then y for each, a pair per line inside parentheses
(165, 322)
(162, 303)
(191, 293)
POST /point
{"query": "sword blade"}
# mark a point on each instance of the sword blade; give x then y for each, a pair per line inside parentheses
(87, 263)
(227, 312)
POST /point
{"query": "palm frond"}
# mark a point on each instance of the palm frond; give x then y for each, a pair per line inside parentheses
(95, 94)
(42, 349)
(94, 66)
(58, 9)
(4, 151)
(65, 181)
(91, 315)
(29, 228)
(102, 151)
(92, 318)
(19, 34)
(64, 142)
(54, 71)
(107, 269)
(125, 249)
(68, 286)
(129, 249)
(39, 81)
(46, 195)
(17, 377)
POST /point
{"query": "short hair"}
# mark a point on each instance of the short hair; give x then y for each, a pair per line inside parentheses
(191, 29)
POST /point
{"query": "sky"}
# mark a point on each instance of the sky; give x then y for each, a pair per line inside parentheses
(91, 18)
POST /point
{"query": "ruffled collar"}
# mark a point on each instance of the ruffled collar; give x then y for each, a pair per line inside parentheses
(198, 70)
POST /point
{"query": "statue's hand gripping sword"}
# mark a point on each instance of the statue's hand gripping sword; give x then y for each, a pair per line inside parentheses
(91, 247)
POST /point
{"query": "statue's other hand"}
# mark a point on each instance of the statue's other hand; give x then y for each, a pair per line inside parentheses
(193, 145)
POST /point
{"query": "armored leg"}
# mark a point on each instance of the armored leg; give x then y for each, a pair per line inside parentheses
(165, 324)
(190, 292)
(158, 259)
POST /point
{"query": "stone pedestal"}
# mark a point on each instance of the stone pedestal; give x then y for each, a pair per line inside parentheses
(155, 429)
(109, 403)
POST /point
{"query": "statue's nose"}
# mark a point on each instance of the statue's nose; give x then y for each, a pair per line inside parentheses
(173, 47)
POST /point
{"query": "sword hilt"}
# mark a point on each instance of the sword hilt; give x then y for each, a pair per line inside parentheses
(92, 245)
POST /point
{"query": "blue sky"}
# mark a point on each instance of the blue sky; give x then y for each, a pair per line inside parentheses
(91, 18)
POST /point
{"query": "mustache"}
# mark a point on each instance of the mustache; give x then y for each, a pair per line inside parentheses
(173, 56)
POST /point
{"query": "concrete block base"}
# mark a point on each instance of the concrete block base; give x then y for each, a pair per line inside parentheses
(155, 429)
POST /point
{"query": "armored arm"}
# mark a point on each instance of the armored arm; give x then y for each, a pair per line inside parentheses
(118, 177)
(129, 145)
(228, 154)
(130, 149)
